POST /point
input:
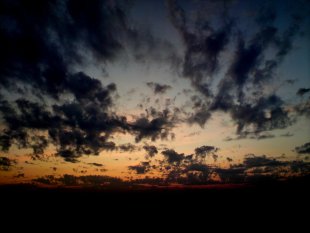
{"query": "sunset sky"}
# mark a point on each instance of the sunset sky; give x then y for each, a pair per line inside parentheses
(154, 92)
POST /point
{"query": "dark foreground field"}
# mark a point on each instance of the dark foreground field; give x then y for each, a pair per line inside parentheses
(278, 203)
(276, 194)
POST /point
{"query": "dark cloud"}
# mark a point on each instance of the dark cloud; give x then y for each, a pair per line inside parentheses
(55, 32)
(233, 174)
(203, 45)
(200, 117)
(303, 108)
(158, 88)
(6, 163)
(188, 169)
(71, 180)
(156, 125)
(250, 68)
(300, 167)
(76, 128)
(96, 164)
(172, 156)
(150, 150)
(127, 147)
(202, 151)
(303, 149)
(152, 129)
(42, 44)
(142, 168)
(267, 114)
(68, 155)
(251, 161)
(9, 137)
(196, 174)
(200, 113)
(49, 180)
(302, 91)
(39, 49)
(181, 169)
(263, 136)
(99, 180)
(147, 48)
(39, 144)
(251, 135)
(246, 59)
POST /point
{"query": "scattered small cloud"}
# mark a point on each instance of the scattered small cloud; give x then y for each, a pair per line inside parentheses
(158, 88)
(303, 149)
(6, 163)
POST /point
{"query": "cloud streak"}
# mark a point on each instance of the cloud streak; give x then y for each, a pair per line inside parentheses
(303, 149)
(248, 69)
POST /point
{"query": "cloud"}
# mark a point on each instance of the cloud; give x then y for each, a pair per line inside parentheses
(142, 168)
(251, 161)
(233, 174)
(56, 33)
(250, 67)
(203, 45)
(77, 128)
(6, 163)
(244, 62)
(96, 164)
(198, 167)
(156, 125)
(158, 88)
(188, 169)
(303, 149)
(263, 136)
(53, 102)
(200, 117)
(172, 156)
(300, 167)
(202, 151)
(303, 108)
(150, 150)
(39, 144)
(177, 168)
(49, 180)
(266, 114)
(60, 30)
(71, 180)
(251, 135)
(127, 147)
(302, 91)
(98, 180)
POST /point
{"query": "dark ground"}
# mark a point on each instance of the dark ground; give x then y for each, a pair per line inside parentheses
(276, 193)
(234, 204)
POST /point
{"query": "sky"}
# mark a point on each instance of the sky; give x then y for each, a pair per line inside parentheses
(154, 92)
